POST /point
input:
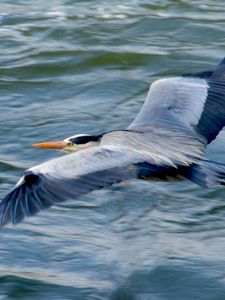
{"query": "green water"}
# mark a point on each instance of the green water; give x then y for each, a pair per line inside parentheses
(70, 67)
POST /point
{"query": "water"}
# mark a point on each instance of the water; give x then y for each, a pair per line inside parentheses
(70, 67)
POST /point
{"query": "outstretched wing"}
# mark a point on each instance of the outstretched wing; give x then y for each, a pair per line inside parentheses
(197, 100)
(122, 155)
(66, 177)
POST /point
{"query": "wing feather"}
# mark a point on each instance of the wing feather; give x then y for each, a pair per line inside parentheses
(178, 117)
(73, 175)
(45, 185)
(182, 97)
(197, 100)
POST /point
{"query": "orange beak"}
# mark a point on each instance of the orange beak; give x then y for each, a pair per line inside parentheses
(55, 145)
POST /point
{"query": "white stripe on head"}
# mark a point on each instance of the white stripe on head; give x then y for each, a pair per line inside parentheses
(76, 136)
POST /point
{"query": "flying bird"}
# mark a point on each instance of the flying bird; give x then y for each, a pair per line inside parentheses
(166, 141)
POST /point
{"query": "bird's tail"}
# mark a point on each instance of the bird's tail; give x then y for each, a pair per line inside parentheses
(207, 173)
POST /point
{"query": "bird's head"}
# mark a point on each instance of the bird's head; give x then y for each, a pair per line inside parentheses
(71, 144)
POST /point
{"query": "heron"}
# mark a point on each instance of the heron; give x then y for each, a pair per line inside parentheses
(166, 141)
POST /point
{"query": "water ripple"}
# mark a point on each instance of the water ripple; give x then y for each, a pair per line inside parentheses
(85, 66)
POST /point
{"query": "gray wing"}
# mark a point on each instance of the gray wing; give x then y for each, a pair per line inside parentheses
(66, 177)
(195, 100)
(122, 155)
(159, 143)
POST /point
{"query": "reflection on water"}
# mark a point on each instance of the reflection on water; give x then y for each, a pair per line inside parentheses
(68, 67)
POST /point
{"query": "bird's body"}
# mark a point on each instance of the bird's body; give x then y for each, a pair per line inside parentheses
(167, 140)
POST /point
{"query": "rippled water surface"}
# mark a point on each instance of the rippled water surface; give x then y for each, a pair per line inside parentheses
(69, 67)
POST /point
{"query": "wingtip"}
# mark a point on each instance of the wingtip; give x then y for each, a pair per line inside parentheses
(222, 62)
(26, 199)
(10, 209)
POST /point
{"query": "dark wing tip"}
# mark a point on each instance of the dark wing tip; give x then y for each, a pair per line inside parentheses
(26, 199)
(222, 62)
(216, 71)
(10, 207)
(212, 119)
